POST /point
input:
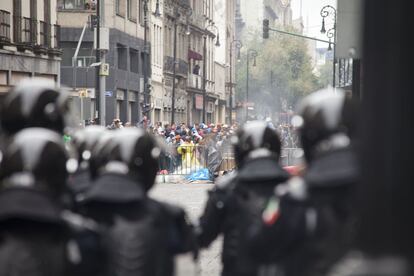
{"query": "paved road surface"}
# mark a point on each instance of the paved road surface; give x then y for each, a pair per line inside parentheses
(192, 197)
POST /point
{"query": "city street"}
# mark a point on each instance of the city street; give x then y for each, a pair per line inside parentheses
(192, 197)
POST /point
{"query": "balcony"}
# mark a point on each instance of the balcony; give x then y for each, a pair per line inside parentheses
(181, 67)
(55, 48)
(4, 27)
(195, 81)
(76, 5)
(25, 32)
(44, 42)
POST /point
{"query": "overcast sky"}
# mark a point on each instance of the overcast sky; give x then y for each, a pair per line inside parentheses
(311, 15)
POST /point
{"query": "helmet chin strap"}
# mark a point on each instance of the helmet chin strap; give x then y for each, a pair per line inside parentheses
(260, 153)
(20, 180)
(115, 167)
(334, 142)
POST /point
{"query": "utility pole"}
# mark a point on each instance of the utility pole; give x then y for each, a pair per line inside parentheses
(231, 88)
(247, 88)
(238, 45)
(98, 59)
(174, 70)
(204, 78)
(102, 78)
(205, 65)
(146, 109)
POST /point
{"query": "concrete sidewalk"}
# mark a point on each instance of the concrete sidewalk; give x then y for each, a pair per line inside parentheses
(192, 197)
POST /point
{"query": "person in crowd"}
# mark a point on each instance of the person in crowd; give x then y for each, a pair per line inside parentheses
(239, 196)
(117, 124)
(143, 234)
(187, 150)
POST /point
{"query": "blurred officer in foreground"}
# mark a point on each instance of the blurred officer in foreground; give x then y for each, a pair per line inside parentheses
(35, 102)
(310, 218)
(239, 197)
(143, 235)
(84, 142)
(37, 237)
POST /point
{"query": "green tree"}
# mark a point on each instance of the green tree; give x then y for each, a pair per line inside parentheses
(325, 74)
(282, 76)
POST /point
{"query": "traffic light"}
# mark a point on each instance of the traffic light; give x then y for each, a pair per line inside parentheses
(265, 28)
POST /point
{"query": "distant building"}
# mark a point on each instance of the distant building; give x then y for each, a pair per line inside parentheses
(126, 54)
(226, 55)
(175, 13)
(200, 22)
(29, 41)
(158, 100)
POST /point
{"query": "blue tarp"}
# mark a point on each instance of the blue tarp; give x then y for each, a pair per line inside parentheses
(202, 174)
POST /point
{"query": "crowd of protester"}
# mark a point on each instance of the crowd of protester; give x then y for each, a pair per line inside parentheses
(187, 146)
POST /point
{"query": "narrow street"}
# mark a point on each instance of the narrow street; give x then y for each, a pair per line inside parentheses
(192, 197)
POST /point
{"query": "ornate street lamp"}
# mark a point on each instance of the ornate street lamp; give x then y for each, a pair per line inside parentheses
(237, 45)
(205, 63)
(157, 12)
(146, 105)
(250, 53)
(326, 12)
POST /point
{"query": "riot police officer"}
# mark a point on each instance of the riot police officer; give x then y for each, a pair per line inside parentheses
(239, 197)
(37, 236)
(84, 142)
(315, 223)
(143, 235)
(35, 102)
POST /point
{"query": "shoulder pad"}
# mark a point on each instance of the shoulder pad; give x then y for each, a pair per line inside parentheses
(295, 188)
(79, 223)
(226, 181)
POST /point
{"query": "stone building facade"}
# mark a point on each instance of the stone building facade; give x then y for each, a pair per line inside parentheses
(126, 55)
(29, 44)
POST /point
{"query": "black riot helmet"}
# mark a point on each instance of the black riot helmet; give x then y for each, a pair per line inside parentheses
(35, 102)
(132, 152)
(256, 140)
(35, 159)
(85, 140)
(325, 121)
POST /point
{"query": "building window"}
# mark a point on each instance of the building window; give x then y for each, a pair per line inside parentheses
(120, 7)
(141, 12)
(85, 55)
(76, 4)
(122, 56)
(4, 25)
(132, 10)
(134, 60)
(44, 34)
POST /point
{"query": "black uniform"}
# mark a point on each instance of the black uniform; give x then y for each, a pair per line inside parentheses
(37, 236)
(328, 224)
(315, 223)
(239, 197)
(142, 235)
